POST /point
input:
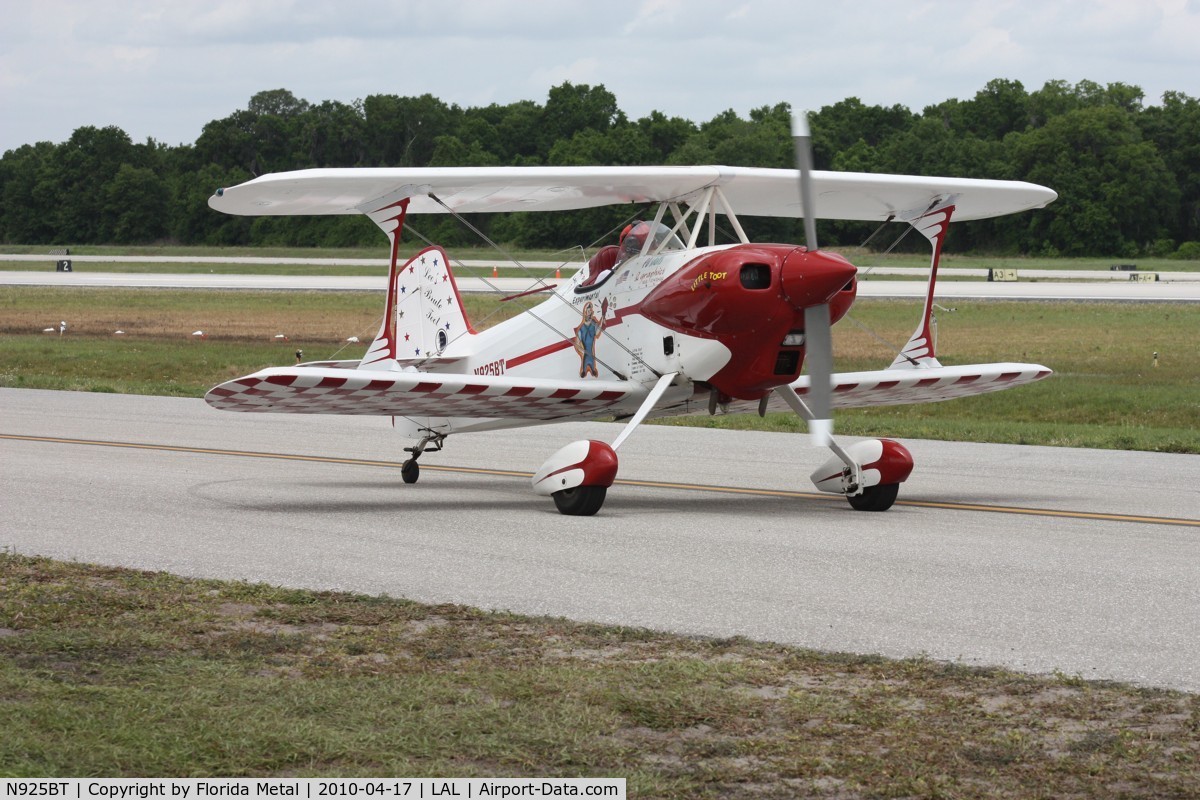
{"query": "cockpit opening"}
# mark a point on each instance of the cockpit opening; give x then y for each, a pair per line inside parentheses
(632, 243)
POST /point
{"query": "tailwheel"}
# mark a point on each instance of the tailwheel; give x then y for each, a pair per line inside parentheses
(410, 470)
(875, 498)
(582, 501)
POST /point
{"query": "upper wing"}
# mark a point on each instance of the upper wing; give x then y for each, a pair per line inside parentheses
(878, 197)
(324, 390)
(750, 191)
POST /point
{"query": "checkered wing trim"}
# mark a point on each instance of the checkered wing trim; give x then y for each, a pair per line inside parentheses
(300, 390)
(897, 387)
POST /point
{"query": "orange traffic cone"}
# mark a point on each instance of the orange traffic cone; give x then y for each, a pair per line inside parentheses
(495, 271)
(557, 272)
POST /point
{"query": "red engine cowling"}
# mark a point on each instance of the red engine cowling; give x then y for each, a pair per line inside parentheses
(750, 298)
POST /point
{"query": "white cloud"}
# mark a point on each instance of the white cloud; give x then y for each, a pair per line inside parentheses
(582, 70)
(990, 48)
(739, 12)
(655, 16)
(164, 69)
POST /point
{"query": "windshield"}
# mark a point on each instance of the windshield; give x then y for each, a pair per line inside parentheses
(634, 239)
(663, 236)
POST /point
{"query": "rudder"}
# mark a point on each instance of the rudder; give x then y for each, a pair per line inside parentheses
(423, 317)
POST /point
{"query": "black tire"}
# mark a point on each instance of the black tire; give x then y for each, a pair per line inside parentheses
(582, 501)
(876, 498)
(410, 471)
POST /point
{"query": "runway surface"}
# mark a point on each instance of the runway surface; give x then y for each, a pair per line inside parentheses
(1108, 291)
(1030, 557)
(568, 266)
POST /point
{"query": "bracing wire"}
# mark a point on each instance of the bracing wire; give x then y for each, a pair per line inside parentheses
(539, 281)
(873, 334)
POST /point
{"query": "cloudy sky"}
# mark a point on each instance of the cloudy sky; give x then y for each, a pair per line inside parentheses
(163, 68)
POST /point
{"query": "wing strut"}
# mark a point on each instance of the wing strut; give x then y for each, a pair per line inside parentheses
(383, 348)
(918, 352)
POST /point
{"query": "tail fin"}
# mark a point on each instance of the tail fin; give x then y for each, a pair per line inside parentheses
(918, 353)
(423, 315)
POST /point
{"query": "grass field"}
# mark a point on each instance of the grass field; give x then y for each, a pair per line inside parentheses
(117, 673)
(1106, 391)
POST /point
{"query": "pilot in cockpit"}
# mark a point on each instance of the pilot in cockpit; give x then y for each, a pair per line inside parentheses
(632, 241)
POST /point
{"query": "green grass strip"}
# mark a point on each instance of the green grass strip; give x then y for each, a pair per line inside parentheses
(1108, 391)
(114, 672)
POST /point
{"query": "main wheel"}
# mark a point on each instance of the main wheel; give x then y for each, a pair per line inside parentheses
(410, 471)
(582, 501)
(875, 498)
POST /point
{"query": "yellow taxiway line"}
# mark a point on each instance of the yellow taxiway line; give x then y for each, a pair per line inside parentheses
(695, 487)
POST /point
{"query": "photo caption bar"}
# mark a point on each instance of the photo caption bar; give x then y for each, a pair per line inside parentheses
(309, 788)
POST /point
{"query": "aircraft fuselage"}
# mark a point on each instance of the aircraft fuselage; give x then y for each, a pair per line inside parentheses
(731, 316)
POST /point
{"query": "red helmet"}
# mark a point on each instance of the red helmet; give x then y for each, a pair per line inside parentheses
(633, 237)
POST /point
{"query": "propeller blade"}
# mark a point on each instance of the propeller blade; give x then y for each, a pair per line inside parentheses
(818, 332)
(818, 345)
(802, 139)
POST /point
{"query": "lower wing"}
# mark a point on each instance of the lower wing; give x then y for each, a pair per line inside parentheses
(897, 387)
(325, 390)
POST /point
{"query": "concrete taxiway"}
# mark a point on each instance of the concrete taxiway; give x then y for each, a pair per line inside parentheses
(1034, 558)
(569, 266)
(1105, 291)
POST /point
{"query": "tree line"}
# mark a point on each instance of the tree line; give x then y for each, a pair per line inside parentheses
(1127, 173)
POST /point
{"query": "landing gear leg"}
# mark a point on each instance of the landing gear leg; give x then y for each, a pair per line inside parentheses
(410, 470)
(889, 463)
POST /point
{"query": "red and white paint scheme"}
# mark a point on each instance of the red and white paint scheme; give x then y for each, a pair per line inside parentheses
(677, 323)
(585, 463)
(872, 478)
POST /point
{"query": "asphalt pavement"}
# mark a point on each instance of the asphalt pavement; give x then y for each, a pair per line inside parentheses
(1034, 558)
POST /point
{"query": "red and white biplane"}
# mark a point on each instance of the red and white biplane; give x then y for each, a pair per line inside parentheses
(668, 322)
